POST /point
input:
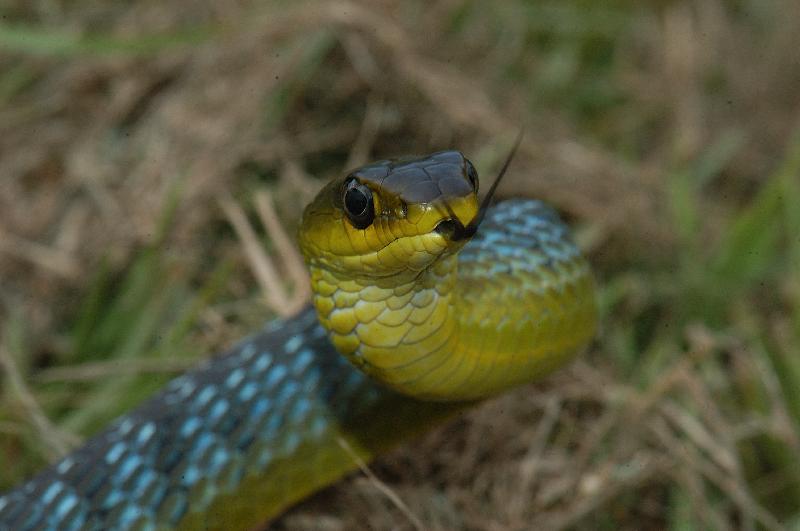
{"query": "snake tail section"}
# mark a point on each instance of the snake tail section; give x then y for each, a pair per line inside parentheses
(239, 439)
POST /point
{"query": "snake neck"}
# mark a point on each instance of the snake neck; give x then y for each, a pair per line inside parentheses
(398, 329)
(511, 308)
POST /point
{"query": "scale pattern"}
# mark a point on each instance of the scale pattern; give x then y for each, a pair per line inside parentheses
(236, 440)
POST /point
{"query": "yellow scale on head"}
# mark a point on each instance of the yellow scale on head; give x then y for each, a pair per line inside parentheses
(382, 246)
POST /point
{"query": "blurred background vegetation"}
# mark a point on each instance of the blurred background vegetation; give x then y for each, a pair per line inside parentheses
(667, 132)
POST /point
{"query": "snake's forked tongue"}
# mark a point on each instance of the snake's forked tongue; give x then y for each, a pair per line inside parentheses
(472, 227)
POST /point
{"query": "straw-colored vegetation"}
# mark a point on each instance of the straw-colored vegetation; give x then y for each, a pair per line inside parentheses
(135, 135)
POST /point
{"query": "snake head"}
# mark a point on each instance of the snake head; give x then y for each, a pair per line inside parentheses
(392, 218)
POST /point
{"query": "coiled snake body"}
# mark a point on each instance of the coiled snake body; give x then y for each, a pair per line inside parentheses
(432, 312)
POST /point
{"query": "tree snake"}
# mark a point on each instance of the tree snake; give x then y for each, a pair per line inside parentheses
(433, 313)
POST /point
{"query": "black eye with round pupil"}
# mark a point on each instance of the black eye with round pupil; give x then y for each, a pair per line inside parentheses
(355, 201)
(358, 204)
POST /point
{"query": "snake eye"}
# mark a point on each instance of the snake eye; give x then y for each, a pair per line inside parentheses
(358, 205)
(472, 175)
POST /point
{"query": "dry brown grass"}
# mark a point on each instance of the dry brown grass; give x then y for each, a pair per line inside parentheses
(280, 96)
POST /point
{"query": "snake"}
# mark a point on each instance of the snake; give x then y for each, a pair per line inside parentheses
(425, 301)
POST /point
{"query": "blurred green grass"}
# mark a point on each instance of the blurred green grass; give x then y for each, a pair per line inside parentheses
(728, 187)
